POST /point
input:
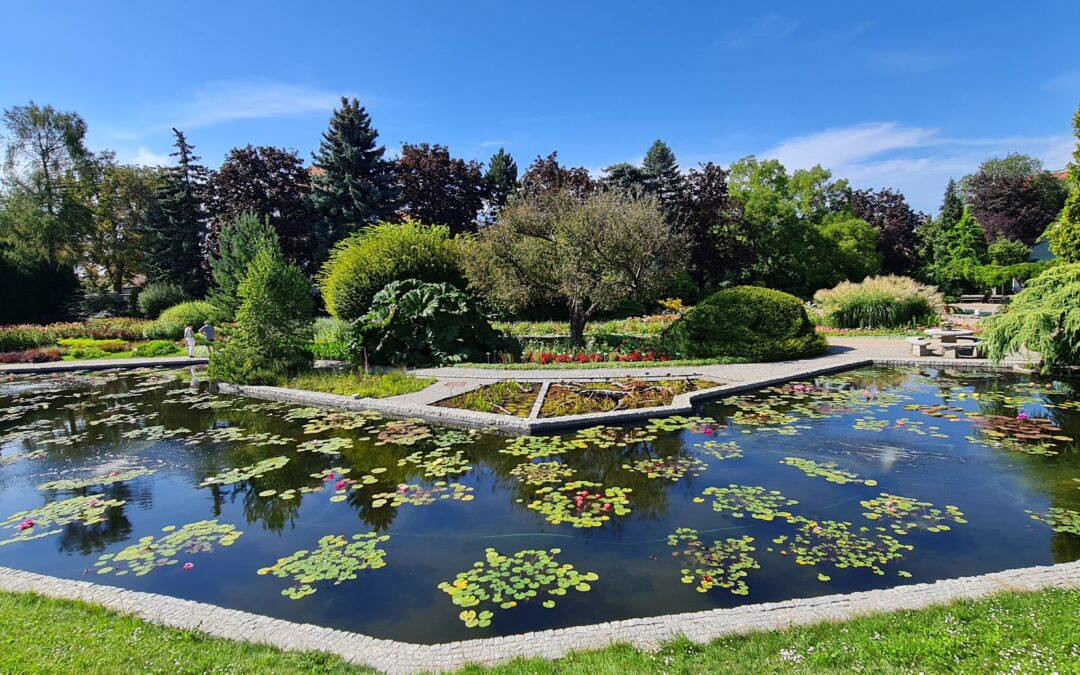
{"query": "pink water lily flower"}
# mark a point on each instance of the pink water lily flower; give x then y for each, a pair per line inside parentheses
(94, 502)
(340, 484)
(403, 489)
(329, 476)
(189, 566)
(1021, 416)
(708, 431)
(26, 525)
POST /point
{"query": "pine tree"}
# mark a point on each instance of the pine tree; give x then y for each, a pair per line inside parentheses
(238, 242)
(502, 180)
(176, 223)
(952, 207)
(663, 178)
(352, 183)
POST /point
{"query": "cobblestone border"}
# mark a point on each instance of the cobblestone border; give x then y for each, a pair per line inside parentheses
(401, 657)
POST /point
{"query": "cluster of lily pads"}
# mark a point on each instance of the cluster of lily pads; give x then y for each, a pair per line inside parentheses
(739, 500)
(327, 446)
(670, 468)
(150, 553)
(724, 564)
(36, 523)
(1059, 519)
(826, 470)
(535, 447)
(118, 476)
(336, 559)
(437, 463)
(404, 432)
(539, 473)
(580, 503)
(904, 514)
(419, 495)
(840, 544)
(720, 449)
(504, 581)
(243, 473)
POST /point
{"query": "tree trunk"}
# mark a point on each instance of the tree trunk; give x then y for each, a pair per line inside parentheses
(578, 319)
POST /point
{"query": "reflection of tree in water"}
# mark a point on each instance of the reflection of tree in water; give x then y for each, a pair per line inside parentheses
(87, 539)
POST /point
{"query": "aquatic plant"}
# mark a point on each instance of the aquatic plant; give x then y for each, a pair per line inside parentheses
(502, 582)
(336, 559)
(670, 468)
(826, 470)
(330, 420)
(35, 523)
(327, 446)
(418, 495)
(437, 463)
(904, 514)
(836, 543)
(1059, 520)
(150, 553)
(580, 503)
(677, 423)
(404, 432)
(607, 437)
(92, 481)
(155, 433)
(720, 449)
(535, 447)
(725, 564)
(243, 473)
(540, 473)
(739, 500)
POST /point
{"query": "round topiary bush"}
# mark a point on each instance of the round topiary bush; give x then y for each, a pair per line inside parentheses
(155, 298)
(759, 324)
(361, 265)
(170, 325)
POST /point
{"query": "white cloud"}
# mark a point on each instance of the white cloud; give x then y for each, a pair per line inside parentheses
(917, 161)
(147, 157)
(218, 102)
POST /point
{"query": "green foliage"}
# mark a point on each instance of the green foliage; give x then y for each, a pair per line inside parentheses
(91, 343)
(360, 266)
(156, 348)
(238, 242)
(273, 324)
(412, 322)
(961, 248)
(337, 559)
(371, 385)
(34, 290)
(332, 337)
(1007, 252)
(150, 553)
(170, 325)
(879, 302)
(156, 297)
(502, 179)
(853, 245)
(746, 321)
(1043, 318)
(1064, 234)
(1000, 276)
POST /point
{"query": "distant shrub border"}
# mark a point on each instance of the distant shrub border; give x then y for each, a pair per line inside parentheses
(31, 356)
(545, 358)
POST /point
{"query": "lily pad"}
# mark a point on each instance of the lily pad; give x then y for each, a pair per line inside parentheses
(336, 559)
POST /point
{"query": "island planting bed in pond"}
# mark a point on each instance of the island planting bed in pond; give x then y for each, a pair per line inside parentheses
(404, 530)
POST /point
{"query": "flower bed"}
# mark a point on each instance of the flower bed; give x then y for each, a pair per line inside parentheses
(546, 358)
(28, 336)
(31, 356)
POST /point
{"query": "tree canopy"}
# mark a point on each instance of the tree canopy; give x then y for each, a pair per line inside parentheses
(439, 190)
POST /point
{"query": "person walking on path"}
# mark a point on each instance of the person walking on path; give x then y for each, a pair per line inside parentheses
(189, 338)
(208, 332)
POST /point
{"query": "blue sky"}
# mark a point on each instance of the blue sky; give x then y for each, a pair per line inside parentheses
(899, 95)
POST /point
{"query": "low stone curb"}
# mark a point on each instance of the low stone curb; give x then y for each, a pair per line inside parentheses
(402, 657)
(104, 364)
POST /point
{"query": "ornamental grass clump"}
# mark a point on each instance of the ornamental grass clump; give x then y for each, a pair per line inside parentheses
(879, 302)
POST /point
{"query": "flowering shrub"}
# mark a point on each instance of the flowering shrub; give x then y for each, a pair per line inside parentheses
(26, 336)
(30, 356)
(545, 358)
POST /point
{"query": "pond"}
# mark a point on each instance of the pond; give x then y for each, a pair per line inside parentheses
(400, 529)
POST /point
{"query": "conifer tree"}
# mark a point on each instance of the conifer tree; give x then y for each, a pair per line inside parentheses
(502, 180)
(352, 183)
(238, 242)
(1064, 234)
(176, 223)
(663, 178)
(952, 207)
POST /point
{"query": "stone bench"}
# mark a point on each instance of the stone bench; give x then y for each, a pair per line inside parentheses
(919, 346)
(961, 349)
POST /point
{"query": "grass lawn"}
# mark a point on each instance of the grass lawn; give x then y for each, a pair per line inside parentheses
(348, 383)
(607, 364)
(1012, 632)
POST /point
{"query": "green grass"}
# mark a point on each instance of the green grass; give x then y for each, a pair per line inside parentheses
(199, 351)
(42, 635)
(348, 383)
(1011, 632)
(595, 366)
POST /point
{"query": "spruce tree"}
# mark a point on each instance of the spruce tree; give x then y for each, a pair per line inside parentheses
(502, 180)
(176, 223)
(352, 183)
(238, 242)
(663, 178)
(952, 207)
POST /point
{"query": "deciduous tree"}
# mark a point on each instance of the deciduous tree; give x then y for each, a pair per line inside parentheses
(438, 189)
(1064, 234)
(711, 219)
(122, 198)
(896, 223)
(1013, 197)
(545, 176)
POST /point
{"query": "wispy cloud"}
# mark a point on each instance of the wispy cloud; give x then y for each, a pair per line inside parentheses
(228, 101)
(915, 160)
(147, 157)
(495, 144)
(912, 61)
(765, 29)
(1067, 82)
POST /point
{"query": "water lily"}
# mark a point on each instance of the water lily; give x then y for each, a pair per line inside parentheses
(340, 485)
(26, 525)
(189, 566)
(1021, 416)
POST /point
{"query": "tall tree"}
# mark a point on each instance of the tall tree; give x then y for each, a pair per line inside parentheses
(710, 218)
(663, 178)
(952, 206)
(122, 198)
(176, 223)
(625, 177)
(352, 183)
(545, 176)
(1013, 197)
(502, 181)
(238, 242)
(896, 223)
(271, 183)
(439, 190)
(1064, 234)
(46, 164)
(590, 253)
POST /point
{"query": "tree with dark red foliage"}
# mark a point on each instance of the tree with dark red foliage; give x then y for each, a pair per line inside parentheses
(711, 218)
(896, 223)
(270, 183)
(437, 189)
(1013, 197)
(545, 176)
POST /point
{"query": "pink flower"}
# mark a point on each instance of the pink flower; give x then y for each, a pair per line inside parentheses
(708, 431)
(1021, 416)
(340, 484)
(329, 476)
(189, 566)
(403, 489)
(26, 525)
(94, 502)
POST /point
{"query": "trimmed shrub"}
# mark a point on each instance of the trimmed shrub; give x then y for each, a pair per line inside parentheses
(416, 323)
(879, 302)
(155, 298)
(361, 265)
(170, 325)
(759, 324)
(1043, 318)
(332, 338)
(156, 348)
(273, 324)
(31, 356)
(83, 353)
(90, 343)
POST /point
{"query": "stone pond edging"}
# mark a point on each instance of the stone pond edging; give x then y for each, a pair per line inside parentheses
(104, 364)
(400, 657)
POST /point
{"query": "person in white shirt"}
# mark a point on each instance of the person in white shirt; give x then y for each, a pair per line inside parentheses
(189, 338)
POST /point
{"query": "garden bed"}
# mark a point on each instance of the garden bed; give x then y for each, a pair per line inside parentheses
(503, 398)
(582, 398)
